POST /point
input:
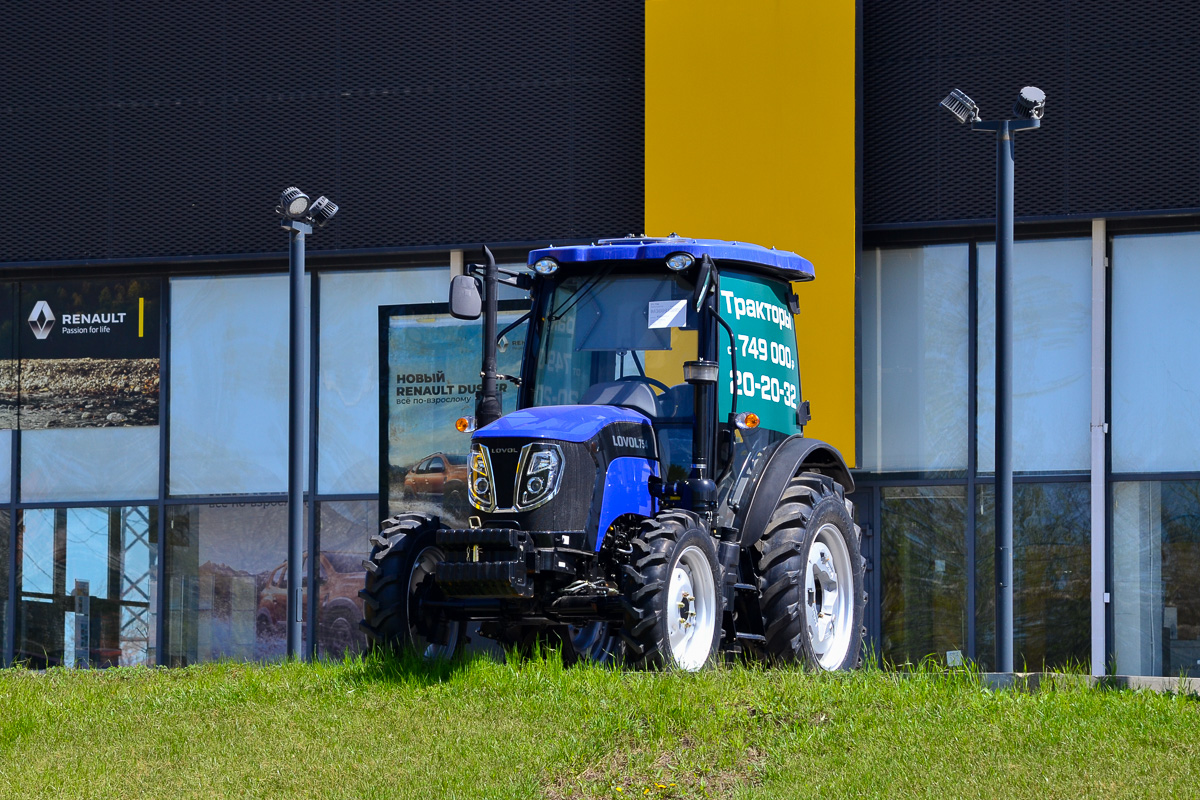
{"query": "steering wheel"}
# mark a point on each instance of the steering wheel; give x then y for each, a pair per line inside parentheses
(643, 379)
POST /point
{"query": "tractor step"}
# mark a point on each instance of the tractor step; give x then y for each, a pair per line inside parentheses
(748, 588)
(751, 637)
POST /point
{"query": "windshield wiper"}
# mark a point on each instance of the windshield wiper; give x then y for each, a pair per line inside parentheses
(577, 295)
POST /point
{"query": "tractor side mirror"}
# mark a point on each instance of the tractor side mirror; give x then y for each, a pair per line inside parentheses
(465, 302)
(704, 280)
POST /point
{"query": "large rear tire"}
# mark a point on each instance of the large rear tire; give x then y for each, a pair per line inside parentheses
(809, 557)
(672, 589)
(404, 559)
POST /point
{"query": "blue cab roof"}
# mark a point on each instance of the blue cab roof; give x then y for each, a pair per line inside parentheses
(779, 263)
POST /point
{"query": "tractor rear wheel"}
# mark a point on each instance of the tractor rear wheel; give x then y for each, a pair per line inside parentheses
(813, 571)
(672, 589)
(404, 559)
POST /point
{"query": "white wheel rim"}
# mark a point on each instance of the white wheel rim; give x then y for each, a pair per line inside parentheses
(424, 565)
(691, 609)
(829, 597)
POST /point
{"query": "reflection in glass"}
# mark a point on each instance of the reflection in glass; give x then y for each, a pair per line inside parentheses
(923, 572)
(229, 385)
(913, 305)
(226, 582)
(1051, 575)
(349, 380)
(4, 575)
(89, 464)
(1156, 577)
(1052, 340)
(344, 536)
(87, 587)
(6, 437)
(1156, 353)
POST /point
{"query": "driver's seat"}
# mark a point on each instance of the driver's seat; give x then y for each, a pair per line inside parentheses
(628, 394)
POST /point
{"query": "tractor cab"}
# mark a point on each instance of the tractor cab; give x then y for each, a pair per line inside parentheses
(658, 327)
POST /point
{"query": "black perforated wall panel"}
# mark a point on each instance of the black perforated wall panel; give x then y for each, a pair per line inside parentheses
(1122, 127)
(152, 129)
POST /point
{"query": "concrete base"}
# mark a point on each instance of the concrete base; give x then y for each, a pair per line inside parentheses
(1032, 680)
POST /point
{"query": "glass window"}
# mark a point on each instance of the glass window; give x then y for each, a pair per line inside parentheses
(1052, 310)
(1156, 353)
(345, 528)
(88, 464)
(87, 586)
(229, 385)
(924, 598)
(1051, 575)
(348, 461)
(226, 582)
(5, 465)
(913, 304)
(1156, 577)
(4, 576)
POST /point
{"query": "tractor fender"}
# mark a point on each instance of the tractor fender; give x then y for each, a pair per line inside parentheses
(792, 456)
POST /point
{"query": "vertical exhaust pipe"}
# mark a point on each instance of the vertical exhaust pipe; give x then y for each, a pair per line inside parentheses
(487, 399)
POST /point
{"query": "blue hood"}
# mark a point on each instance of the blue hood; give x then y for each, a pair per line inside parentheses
(564, 423)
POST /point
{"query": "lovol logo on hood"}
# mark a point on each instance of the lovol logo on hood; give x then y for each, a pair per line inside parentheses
(41, 319)
(629, 441)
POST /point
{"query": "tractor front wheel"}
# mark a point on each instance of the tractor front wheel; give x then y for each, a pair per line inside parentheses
(404, 558)
(672, 588)
(809, 557)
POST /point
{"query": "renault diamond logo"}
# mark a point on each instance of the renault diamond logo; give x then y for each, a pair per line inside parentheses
(41, 320)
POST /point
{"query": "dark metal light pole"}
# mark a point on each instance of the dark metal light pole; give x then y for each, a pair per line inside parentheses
(298, 220)
(1028, 109)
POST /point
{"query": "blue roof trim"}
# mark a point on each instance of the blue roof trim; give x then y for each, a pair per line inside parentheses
(796, 268)
(564, 423)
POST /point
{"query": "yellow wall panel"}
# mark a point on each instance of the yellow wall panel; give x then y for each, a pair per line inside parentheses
(750, 136)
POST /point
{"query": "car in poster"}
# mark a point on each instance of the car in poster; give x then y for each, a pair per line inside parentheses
(440, 477)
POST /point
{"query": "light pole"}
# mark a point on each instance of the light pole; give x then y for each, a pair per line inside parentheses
(299, 217)
(1028, 110)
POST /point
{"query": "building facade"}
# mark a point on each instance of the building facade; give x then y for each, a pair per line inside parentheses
(144, 441)
(1106, 549)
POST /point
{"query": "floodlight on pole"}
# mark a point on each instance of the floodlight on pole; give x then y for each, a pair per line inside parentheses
(1028, 108)
(322, 211)
(961, 106)
(293, 203)
(1030, 103)
(299, 217)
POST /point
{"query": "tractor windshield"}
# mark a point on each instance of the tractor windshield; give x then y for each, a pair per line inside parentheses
(613, 327)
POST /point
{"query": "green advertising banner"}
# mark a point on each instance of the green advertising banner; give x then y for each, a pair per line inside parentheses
(768, 382)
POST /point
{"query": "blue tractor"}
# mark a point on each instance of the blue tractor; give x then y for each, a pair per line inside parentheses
(653, 499)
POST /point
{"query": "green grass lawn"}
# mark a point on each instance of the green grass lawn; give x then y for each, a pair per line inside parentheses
(382, 728)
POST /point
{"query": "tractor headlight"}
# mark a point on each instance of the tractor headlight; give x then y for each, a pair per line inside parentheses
(539, 475)
(545, 266)
(678, 262)
(480, 487)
